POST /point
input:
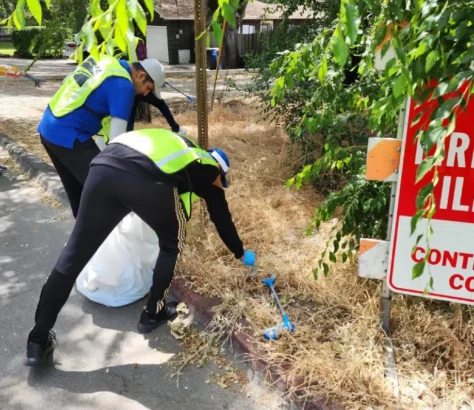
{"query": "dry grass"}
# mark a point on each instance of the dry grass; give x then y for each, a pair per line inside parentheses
(25, 135)
(337, 349)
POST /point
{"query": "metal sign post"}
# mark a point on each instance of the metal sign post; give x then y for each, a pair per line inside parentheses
(201, 70)
(383, 162)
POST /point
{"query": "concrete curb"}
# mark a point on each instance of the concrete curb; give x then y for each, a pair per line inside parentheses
(36, 169)
(202, 305)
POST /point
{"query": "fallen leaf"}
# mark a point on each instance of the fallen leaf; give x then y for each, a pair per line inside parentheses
(207, 381)
(136, 366)
(6, 243)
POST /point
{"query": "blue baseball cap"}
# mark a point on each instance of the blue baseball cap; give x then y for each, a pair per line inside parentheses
(222, 159)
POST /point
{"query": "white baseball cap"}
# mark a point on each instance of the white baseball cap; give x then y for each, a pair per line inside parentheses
(156, 71)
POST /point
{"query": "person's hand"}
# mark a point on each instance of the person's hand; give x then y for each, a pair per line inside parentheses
(248, 258)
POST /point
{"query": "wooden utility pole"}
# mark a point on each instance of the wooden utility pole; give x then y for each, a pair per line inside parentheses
(201, 70)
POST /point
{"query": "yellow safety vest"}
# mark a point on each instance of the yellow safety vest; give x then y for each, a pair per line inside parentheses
(170, 152)
(83, 81)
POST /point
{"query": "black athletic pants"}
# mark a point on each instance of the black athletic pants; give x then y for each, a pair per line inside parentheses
(109, 195)
(72, 166)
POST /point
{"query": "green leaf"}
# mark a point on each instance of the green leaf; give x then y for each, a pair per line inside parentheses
(418, 270)
(325, 268)
(332, 257)
(96, 10)
(415, 219)
(208, 39)
(235, 3)
(425, 167)
(119, 39)
(446, 109)
(433, 138)
(422, 195)
(352, 21)
(19, 18)
(461, 30)
(228, 14)
(323, 69)
(422, 49)
(140, 19)
(150, 5)
(217, 29)
(458, 79)
(418, 239)
(444, 19)
(122, 17)
(440, 90)
(35, 9)
(132, 6)
(339, 49)
(48, 3)
(431, 60)
(399, 86)
(401, 55)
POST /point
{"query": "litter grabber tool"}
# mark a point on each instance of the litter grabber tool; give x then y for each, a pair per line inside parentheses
(15, 72)
(36, 80)
(190, 98)
(274, 333)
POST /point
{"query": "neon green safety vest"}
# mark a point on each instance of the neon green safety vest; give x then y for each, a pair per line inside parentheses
(170, 152)
(105, 130)
(83, 81)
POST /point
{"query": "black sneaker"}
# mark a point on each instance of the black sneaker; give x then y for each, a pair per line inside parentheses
(148, 322)
(37, 354)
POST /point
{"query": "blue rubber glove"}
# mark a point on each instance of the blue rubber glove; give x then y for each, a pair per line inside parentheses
(248, 258)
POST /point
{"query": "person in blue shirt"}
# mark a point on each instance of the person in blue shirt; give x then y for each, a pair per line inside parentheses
(110, 86)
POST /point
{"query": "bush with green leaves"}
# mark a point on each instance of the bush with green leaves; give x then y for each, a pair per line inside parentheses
(27, 41)
(432, 40)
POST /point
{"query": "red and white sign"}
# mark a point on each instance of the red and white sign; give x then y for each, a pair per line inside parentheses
(451, 261)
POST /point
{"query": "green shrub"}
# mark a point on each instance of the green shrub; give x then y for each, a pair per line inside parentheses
(27, 41)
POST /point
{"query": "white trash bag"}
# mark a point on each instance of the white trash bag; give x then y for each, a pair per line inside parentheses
(121, 271)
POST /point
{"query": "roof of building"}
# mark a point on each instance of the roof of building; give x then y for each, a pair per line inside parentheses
(256, 10)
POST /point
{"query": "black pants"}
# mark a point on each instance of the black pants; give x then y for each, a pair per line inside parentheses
(109, 195)
(72, 166)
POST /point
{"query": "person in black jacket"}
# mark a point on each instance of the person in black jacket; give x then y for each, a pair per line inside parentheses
(158, 191)
(161, 105)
